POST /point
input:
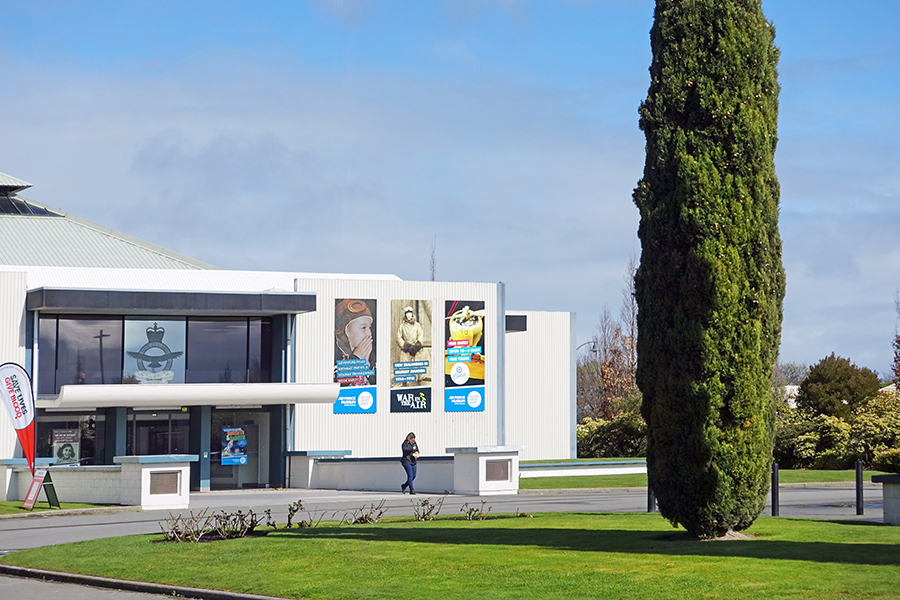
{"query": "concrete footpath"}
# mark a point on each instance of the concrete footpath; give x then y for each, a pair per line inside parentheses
(826, 501)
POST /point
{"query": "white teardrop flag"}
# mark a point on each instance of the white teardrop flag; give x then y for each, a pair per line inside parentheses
(19, 402)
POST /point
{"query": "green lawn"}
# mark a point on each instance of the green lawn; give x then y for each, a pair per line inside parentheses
(575, 461)
(15, 508)
(640, 479)
(550, 556)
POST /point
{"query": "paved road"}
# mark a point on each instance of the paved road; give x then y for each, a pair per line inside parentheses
(34, 531)
(17, 588)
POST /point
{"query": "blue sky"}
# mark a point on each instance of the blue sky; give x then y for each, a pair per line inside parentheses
(346, 136)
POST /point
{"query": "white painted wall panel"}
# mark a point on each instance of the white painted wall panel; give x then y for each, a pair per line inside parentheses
(540, 386)
(12, 346)
(380, 434)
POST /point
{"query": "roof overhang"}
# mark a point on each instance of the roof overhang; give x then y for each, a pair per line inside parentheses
(190, 394)
(112, 302)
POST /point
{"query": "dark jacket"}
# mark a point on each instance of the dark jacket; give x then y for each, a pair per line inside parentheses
(408, 449)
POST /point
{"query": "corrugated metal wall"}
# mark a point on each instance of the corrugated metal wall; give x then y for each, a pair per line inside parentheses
(381, 434)
(12, 345)
(540, 386)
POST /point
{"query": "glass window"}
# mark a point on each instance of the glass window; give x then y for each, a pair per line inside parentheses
(217, 351)
(154, 351)
(157, 432)
(47, 356)
(260, 359)
(88, 351)
(70, 437)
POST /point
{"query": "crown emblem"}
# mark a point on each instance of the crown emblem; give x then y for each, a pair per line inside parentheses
(155, 333)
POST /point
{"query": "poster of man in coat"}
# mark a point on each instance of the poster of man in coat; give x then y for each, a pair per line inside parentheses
(411, 356)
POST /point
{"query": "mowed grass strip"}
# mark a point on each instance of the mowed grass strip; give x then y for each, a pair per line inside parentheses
(15, 507)
(640, 479)
(553, 555)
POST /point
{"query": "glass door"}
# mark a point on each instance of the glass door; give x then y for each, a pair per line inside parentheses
(239, 449)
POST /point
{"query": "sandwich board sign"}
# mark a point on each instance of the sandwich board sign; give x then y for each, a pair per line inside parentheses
(41, 481)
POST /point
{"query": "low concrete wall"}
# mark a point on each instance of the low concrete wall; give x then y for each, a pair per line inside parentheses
(478, 470)
(95, 485)
(151, 482)
(434, 475)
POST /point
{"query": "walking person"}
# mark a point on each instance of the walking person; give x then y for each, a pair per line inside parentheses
(408, 460)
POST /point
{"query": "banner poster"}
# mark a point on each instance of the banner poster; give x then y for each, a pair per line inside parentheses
(66, 446)
(355, 356)
(234, 440)
(154, 352)
(18, 399)
(464, 356)
(410, 356)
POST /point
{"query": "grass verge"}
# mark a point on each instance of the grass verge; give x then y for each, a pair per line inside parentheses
(553, 556)
(640, 479)
(15, 507)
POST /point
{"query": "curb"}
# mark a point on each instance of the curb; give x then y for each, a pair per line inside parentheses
(70, 512)
(128, 585)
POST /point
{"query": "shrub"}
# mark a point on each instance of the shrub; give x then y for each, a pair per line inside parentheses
(626, 435)
(835, 460)
(888, 461)
(802, 443)
(583, 433)
(871, 434)
(835, 387)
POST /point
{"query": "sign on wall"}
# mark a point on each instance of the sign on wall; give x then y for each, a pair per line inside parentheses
(154, 352)
(66, 446)
(19, 402)
(234, 444)
(355, 355)
(464, 357)
(410, 356)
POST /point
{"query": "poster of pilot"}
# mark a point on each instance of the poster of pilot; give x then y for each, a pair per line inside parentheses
(464, 356)
(410, 356)
(354, 355)
(154, 351)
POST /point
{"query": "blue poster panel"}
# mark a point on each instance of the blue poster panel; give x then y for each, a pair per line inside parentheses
(464, 356)
(464, 399)
(411, 356)
(234, 442)
(356, 400)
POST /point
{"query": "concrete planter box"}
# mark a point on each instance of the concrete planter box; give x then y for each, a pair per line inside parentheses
(891, 496)
(486, 470)
(151, 482)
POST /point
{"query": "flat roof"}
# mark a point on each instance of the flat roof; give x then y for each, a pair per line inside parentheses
(113, 302)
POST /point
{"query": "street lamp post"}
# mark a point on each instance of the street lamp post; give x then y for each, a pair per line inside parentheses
(591, 343)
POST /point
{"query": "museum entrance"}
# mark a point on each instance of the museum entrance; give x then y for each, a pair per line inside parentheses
(239, 448)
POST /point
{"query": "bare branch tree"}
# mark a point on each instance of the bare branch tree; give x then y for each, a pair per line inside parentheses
(896, 366)
(606, 375)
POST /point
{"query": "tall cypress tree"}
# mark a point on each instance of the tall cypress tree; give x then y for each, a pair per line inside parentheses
(710, 283)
